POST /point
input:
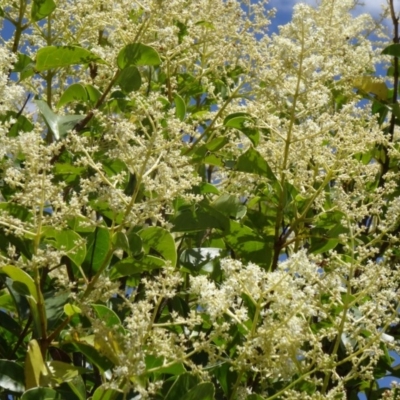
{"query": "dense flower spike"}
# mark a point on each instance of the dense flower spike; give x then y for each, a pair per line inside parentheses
(192, 207)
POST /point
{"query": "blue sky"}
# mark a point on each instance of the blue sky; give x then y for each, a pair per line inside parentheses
(284, 9)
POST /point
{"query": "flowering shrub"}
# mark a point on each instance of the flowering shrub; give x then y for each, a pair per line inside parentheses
(193, 208)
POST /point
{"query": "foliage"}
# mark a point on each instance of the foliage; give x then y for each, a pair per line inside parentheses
(192, 208)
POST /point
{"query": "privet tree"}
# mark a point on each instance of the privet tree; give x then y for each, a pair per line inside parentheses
(193, 208)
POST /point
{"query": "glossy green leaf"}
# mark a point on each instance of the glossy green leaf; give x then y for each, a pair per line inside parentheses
(23, 63)
(217, 143)
(41, 9)
(229, 205)
(106, 393)
(7, 322)
(200, 259)
(16, 211)
(107, 315)
(190, 220)
(71, 310)
(202, 391)
(54, 302)
(248, 244)
(22, 282)
(181, 387)
(75, 92)
(81, 223)
(35, 368)
(392, 50)
(160, 240)
(63, 372)
(42, 393)
(156, 363)
(11, 376)
(63, 56)
(130, 266)
(243, 123)
(60, 125)
(129, 79)
(98, 244)
(180, 107)
(137, 54)
(252, 162)
(93, 356)
(120, 241)
(68, 241)
(135, 243)
(93, 93)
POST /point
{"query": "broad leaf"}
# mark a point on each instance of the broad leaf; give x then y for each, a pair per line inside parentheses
(251, 161)
(42, 393)
(129, 79)
(130, 266)
(243, 122)
(60, 125)
(63, 56)
(22, 282)
(180, 107)
(75, 92)
(11, 376)
(41, 9)
(160, 240)
(137, 54)
(35, 368)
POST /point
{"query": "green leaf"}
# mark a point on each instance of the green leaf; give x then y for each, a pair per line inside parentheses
(120, 241)
(106, 393)
(202, 391)
(41, 393)
(63, 372)
(180, 107)
(160, 240)
(63, 56)
(135, 243)
(249, 245)
(230, 205)
(392, 50)
(35, 368)
(59, 125)
(22, 282)
(16, 211)
(11, 376)
(106, 315)
(80, 223)
(129, 79)
(130, 266)
(54, 302)
(217, 144)
(93, 356)
(251, 161)
(181, 387)
(191, 220)
(68, 241)
(23, 63)
(200, 259)
(98, 244)
(41, 9)
(75, 92)
(93, 93)
(241, 122)
(7, 322)
(71, 310)
(153, 362)
(137, 54)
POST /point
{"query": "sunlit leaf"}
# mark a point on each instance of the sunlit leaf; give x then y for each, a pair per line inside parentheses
(137, 54)
(63, 56)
